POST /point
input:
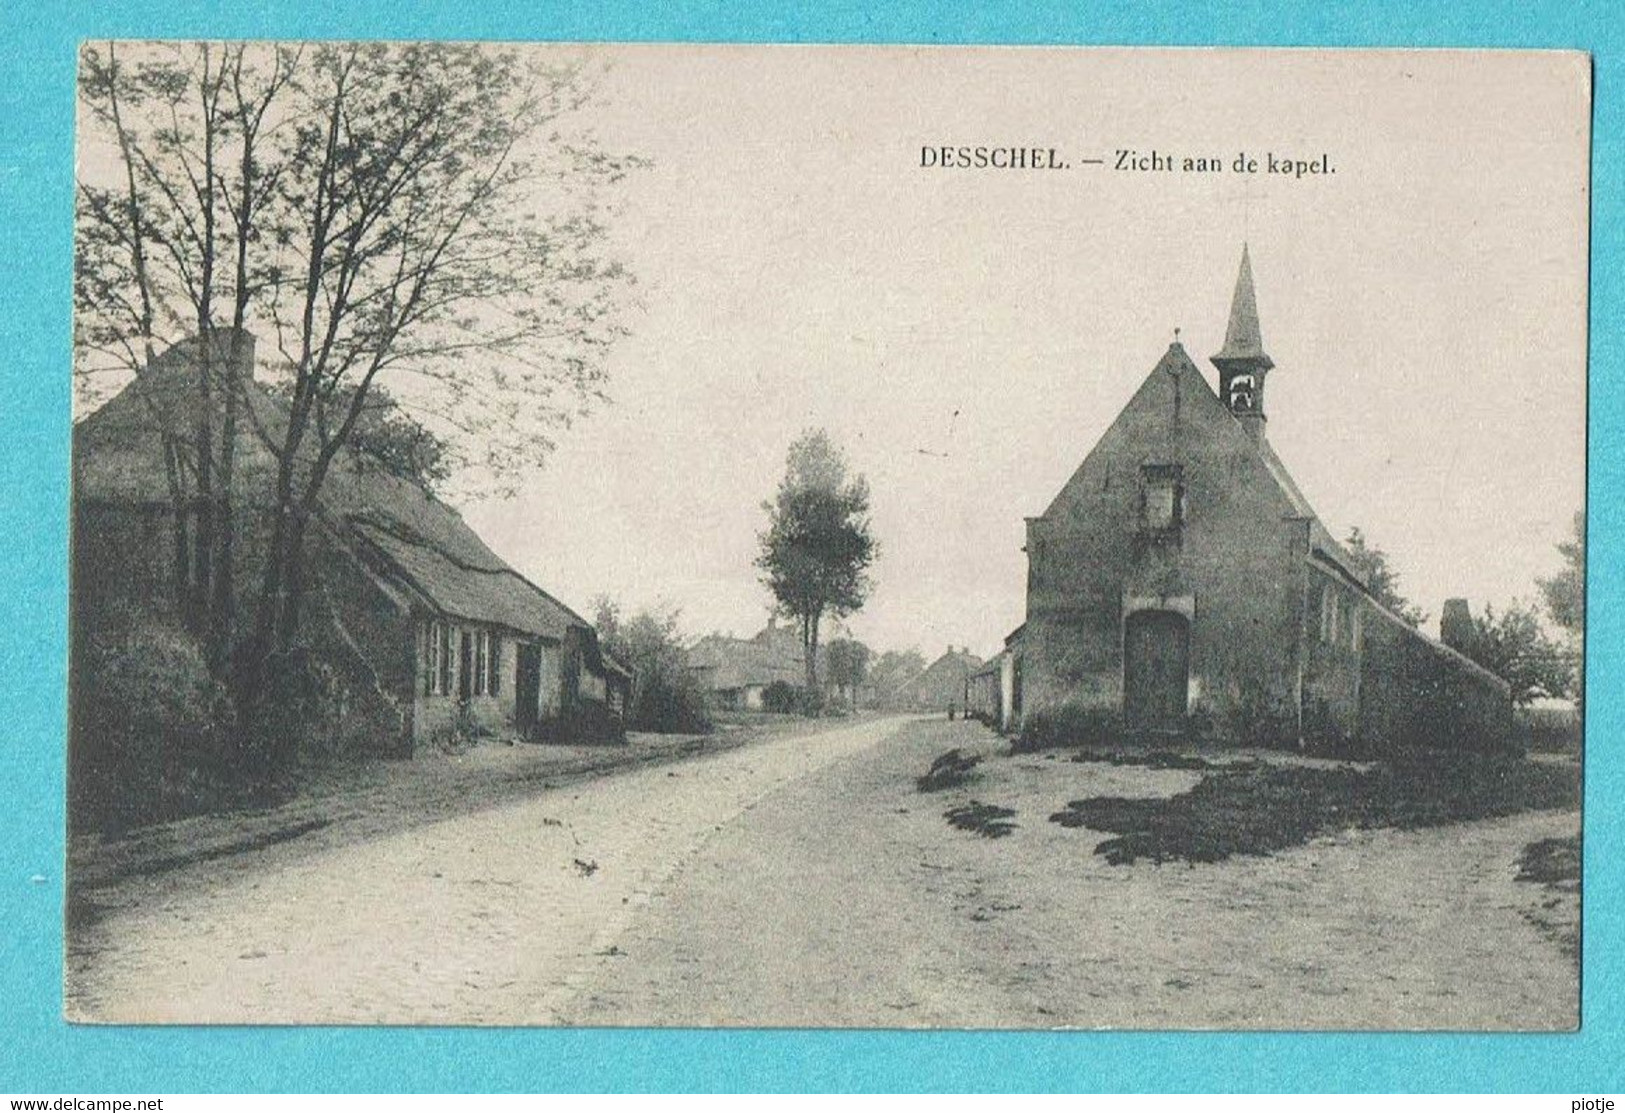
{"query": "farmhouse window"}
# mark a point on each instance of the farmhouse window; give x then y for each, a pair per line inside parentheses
(493, 682)
(444, 671)
(481, 641)
(431, 675)
(1162, 499)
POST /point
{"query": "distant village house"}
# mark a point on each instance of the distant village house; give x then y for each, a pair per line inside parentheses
(941, 687)
(736, 672)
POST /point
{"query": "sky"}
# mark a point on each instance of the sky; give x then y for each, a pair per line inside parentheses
(967, 335)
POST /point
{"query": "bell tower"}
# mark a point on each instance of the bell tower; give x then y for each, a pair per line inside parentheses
(1242, 362)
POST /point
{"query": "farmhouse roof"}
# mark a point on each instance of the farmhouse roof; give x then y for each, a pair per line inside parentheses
(417, 539)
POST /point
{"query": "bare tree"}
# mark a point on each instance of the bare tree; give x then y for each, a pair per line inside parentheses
(419, 216)
(164, 246)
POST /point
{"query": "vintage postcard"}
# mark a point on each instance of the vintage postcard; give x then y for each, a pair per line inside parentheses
(892, 537)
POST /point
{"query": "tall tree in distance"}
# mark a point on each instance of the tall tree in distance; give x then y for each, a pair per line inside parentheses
(1381, 579)
(848, 663)
(1565, 597)
(817, 549)
(1565, 593)
(1512, 644)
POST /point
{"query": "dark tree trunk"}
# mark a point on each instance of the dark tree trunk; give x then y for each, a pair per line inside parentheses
(223, 601)
(809, 646)
(182, 577)
(203, 533)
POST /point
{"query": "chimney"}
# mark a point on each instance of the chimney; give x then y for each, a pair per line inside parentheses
(181, 357)
(228, 341)
(1456, 624)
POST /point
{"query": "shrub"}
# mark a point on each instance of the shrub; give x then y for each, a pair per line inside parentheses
(1264, 720)
(1550, 729)
(593, 724)
(670, 704)
(811, 702)
(781, 698)
(1069, 726)
(151, 729)
(666, 696)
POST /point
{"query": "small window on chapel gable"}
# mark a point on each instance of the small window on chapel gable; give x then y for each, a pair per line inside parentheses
(1162, 509)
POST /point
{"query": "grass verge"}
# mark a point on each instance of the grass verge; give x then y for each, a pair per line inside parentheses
(1554, 864)
(949, 770)
(988, 820)
(1259, 809)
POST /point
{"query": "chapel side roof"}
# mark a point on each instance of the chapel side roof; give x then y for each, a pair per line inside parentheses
(1405, 628)
(1321, 538)
(992, 665)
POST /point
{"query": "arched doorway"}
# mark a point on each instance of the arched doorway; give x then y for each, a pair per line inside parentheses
(1156, 670)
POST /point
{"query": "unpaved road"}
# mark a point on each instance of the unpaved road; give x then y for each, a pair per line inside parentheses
(804, 882)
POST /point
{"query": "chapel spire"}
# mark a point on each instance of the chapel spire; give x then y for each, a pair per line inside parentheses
(1242, 362)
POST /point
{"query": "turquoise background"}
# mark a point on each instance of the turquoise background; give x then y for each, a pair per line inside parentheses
(39, 1053)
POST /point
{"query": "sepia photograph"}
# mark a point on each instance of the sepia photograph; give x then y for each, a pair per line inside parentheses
(714, 536)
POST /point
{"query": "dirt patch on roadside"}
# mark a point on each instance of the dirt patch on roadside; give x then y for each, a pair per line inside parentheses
(848, 901)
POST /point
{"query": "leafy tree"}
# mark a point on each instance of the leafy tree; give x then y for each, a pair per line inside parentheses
(388, 437)
(1383, 582)
(847, 661)
(665, 695)
(163, 245)
(817, 548)
(1564, 593)
(892, 669)
(1513, 645)
(1565, 597)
